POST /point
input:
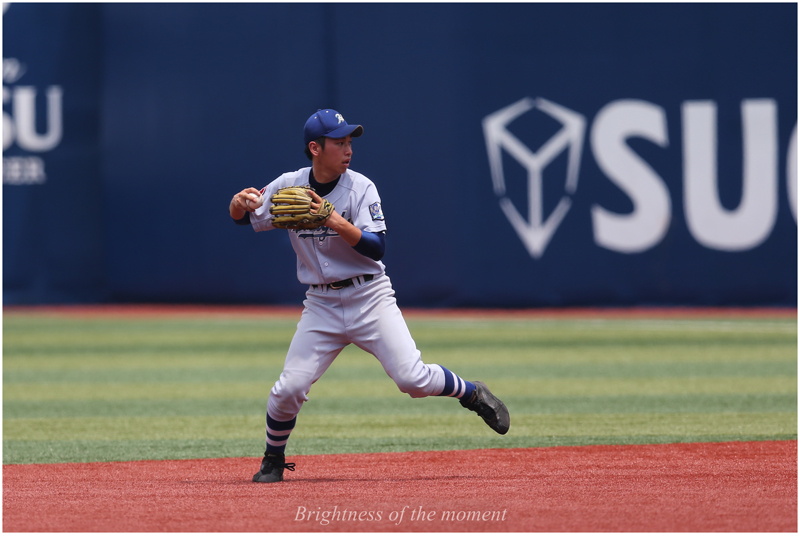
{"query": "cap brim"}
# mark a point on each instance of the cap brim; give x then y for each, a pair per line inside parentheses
(353, 130)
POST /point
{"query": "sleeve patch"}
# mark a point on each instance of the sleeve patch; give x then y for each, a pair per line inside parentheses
(376, 212)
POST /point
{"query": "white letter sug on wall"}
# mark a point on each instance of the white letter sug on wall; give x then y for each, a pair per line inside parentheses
(711, 224)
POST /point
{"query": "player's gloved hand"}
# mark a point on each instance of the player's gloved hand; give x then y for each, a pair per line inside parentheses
(294, 208)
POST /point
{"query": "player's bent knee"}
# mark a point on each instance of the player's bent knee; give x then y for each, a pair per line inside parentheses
(418, 380)
(289, 394)
(412, 386)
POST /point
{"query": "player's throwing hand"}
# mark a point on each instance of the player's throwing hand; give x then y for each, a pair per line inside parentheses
(247, 200)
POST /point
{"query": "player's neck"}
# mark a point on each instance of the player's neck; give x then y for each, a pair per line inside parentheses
(322, 175)
(322, 189)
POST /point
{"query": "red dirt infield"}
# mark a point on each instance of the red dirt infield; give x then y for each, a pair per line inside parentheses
(731, 486)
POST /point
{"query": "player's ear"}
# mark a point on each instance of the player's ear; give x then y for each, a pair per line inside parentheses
(314, 147)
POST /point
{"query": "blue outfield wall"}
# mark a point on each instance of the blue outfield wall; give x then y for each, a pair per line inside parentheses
(526, 154)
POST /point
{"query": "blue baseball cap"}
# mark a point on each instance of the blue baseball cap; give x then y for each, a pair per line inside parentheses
(329, 123)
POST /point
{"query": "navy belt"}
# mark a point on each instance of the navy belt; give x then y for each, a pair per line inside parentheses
(338, 285)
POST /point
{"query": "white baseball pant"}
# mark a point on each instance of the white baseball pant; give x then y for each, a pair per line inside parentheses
(364, 314)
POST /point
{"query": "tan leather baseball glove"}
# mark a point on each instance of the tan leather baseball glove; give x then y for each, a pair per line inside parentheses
(291, 209)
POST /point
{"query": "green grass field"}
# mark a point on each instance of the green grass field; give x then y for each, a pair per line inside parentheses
(116, 388)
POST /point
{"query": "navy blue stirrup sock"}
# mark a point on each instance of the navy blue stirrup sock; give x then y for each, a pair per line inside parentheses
(278, 434)
(455, 386)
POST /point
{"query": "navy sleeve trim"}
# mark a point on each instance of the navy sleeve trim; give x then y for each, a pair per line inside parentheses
(372, 245)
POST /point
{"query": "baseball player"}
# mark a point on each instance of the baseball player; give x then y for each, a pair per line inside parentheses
(350, 298)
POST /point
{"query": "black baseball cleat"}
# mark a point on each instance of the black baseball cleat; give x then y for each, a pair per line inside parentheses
(272, 468)
(489, 407)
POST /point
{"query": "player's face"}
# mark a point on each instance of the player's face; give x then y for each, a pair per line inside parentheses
(335, 157)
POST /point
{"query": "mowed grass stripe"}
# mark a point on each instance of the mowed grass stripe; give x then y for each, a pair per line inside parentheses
(763, 367)
(382, 426)
(117, 361)
(768, 351)
(780, 384)
(392, 405)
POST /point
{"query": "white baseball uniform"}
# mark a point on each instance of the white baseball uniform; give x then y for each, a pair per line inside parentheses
(364, 313)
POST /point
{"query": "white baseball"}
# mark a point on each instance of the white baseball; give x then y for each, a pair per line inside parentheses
(255, 204)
